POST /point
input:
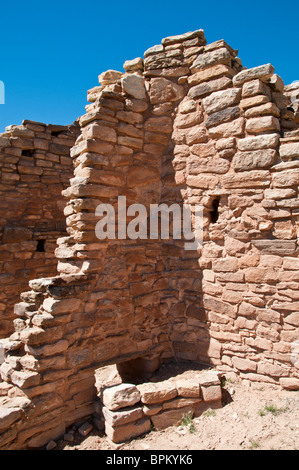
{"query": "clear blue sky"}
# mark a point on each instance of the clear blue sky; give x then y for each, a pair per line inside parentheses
(52, 52)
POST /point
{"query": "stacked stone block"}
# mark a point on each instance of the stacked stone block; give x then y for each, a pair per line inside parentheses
(130, 411)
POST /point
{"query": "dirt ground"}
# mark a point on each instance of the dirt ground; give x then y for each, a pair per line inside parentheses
(256, 417)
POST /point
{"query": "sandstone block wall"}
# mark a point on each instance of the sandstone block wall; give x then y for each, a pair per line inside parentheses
(35, 168)
(186, 124)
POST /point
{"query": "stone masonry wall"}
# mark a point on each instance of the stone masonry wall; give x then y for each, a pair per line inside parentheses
(185, 124)
(35, 168)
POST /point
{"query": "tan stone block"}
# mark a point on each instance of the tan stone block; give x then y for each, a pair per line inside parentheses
(264, 109)
(133, 65)
(286, 179)
(25, 379)
(161, 124)
(209, 59)
(211, 393)
(210, 73)
(262, 72)
(123, 416)
(59, 307)
(129, 117)
(248, 179)
(129, 431)
(188, 388)
(264, 141)
(197, 165)
(273, 370)
(229, 129)
(109, 76)
(205, 88)
(171, 418)
(255, 87)
(199, 33)
(178, 403)
(262, 124)
(204, 150)
(100, 131)
(130, 142)
(255, 159)
(196, 135)
(183, 121)
(221, 99)
(254, 101)
(245, 365)
(202, 181)
(133, 85)
(289, 150)
(226, 264)
(152, 393)
(150, 410)
(289, 383)
(162, 90)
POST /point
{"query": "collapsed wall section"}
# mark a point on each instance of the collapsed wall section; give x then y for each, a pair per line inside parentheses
(35, 168)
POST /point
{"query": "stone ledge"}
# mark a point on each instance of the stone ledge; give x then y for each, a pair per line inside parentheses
(129, 411)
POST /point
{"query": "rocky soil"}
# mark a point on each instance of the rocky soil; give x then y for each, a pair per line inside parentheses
(252, 417)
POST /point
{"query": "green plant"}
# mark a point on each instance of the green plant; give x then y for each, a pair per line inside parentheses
(254, 444)
(210, 413)
(187, 421)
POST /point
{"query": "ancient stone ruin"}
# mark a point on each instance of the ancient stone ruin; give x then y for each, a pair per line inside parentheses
(188, 124)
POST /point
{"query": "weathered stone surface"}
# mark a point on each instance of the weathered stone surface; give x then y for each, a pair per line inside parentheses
(198, 91)
(122, 416)
(276, 247)
(227, 114)
(286, 179)
(210, 73)
(162, 90)
(255, 159)
(262, 124)
(174, 128)
(188, 388)
(171, 418)
(264, 141)
(110, 76)
(254, 101)
(290, 150)
(120, 396)
(232, 128)
(133, 65)
(221, 100)
(218, 56)
(262, 72)
(263, 110)
(129, 431)
(211, 393)
(199, 33)
(152, 393)
(255, 87)
(133, 85)
(251, 179)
